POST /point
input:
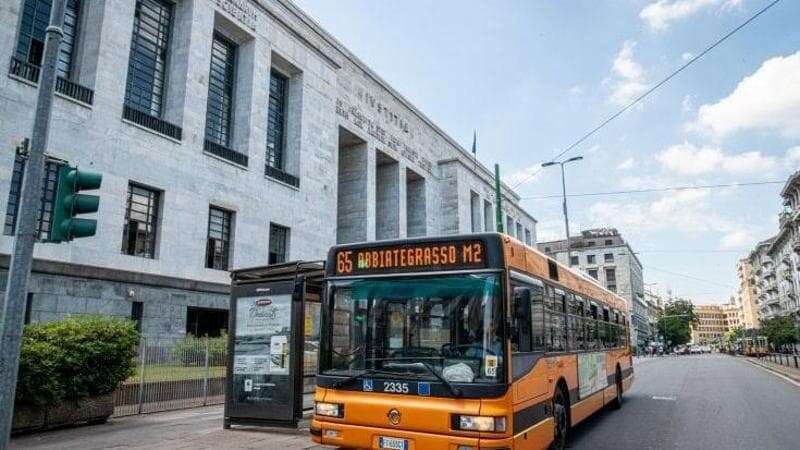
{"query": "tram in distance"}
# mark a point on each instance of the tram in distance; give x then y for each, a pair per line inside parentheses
(463, 343)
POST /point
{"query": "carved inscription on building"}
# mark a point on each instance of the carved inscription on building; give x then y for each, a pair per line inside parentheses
(357, 117)
(242, 10)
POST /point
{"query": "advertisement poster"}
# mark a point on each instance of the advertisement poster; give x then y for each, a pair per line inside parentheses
(261, 338)
(591, 373)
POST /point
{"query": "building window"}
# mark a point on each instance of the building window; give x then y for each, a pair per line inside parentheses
(609, 242)
(45, 216)
(612, 287)
(137, 313)
(28, 308)
(590, 259)
(509, 225)
(573, 260)
(547, 249)
(593, 273)
(31, 39)
(220, 91)
(209, 322)
(276, 120)
(147, 64)
(141, 222)
(218, 245)
(590, 244)
(608, 257)
(278, 243)
(528, 239)
(611, 279)
(519, 231)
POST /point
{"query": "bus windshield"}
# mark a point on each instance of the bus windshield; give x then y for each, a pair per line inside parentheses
(448, 325)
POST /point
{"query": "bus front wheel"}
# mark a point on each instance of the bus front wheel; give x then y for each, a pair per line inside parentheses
(560, 420)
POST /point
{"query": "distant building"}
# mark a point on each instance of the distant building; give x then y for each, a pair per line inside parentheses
(746, 295)
(605, 256)
(713, 321)
(655, 308)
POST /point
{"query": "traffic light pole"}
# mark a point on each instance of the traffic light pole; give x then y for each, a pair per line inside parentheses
(22, 258)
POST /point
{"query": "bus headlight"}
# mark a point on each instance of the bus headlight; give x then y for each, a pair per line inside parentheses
(329, 409)
(481, 423)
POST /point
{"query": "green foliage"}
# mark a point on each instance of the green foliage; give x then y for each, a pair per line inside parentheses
(675, 322)
(75, 358)
(190, 350)
(780, 331)
(732, 336)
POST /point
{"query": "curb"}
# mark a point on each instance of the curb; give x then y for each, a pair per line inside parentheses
(790, 378)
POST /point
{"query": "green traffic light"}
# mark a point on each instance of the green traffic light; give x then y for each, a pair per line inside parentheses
(69, 203)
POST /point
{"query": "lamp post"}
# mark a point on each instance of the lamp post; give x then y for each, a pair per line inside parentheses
(564, 193)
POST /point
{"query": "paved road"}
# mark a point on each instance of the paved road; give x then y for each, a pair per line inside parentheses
(698, 402)
(704, 402)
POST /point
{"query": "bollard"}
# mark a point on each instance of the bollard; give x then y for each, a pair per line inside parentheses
(795, 362)
(205, 377)
(142, 355)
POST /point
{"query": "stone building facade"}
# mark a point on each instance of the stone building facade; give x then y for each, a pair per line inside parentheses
(230, 133)
(608, 258)
(776, 261)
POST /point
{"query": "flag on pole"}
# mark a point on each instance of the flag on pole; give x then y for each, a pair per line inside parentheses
(475, 143)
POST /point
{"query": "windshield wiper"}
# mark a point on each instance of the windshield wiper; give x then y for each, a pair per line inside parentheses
(453, 390)
(344, 381)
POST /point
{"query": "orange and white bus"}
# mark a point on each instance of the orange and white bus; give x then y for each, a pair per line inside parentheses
(465, 342)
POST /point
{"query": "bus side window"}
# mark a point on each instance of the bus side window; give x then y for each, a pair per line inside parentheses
(521, 342)
(537, 319)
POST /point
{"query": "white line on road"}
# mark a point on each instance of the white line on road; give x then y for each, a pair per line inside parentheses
(774, 372)
(668, 399)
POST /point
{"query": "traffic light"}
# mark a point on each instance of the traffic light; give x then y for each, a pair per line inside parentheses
(70, 202)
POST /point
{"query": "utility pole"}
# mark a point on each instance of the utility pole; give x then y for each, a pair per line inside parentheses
(564, 205)
(30, 198)
(498, 208)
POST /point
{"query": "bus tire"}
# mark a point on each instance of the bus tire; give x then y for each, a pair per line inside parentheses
(617, 402)
(560, 419)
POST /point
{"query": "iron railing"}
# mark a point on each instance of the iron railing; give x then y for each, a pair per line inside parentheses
(173, 374)
(784, 359)
(281, 176)
(154, 123)
(30, 72)
(225, 153)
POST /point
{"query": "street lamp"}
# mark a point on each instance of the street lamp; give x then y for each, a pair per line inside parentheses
(564, 193)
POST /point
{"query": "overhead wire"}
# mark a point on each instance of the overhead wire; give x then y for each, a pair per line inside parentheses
(651, 190)
(652, 89)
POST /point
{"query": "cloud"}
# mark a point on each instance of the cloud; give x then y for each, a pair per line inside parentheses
(576, 90)
(659, 15)
(687, 105)
(527, 174)
(629, 80)
(792, 158)
(686, 56)
(736, 240)
(626, 165)
(688, 213)
(689, 159)
(769, 99)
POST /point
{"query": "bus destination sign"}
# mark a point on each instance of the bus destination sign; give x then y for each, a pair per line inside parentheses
(411, 257)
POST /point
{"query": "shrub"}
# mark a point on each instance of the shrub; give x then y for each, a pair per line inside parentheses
(190, 350)
(75, 358)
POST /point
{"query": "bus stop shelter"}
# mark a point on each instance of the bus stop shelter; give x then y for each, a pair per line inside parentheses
(274, 343)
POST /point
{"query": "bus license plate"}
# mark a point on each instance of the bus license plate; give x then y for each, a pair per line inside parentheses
(393, 443)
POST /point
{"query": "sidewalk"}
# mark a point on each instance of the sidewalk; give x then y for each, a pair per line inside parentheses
(788, 372)
(199, 428)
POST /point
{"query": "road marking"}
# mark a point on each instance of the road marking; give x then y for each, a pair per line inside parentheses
(668, 399)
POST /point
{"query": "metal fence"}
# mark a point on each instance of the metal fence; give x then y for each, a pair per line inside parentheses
(174, 374)
(784, 359)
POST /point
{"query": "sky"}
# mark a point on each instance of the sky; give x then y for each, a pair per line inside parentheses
(533, 76)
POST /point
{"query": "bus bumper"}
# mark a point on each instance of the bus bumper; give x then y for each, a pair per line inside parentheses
(355, 436)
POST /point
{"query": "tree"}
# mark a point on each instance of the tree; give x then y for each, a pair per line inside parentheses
(780, 331)
(675, 323)
(734, 335)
